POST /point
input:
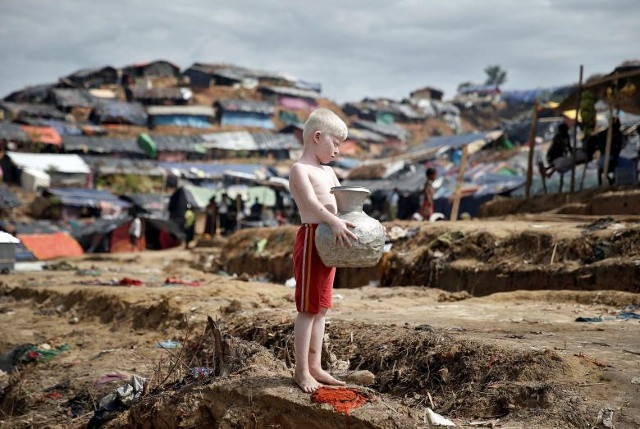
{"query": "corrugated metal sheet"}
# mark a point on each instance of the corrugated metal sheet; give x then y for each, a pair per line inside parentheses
(365, 135)
(275, 141)
(62, 163)
(213, 171)
(234, 140)
(120, 112)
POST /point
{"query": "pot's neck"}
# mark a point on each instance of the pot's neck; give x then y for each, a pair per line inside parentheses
(349, 201)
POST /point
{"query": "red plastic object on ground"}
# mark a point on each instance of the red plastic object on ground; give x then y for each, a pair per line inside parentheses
(127, 281)
(343, 399)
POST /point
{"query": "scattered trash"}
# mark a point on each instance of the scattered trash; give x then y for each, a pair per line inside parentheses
(59, 266)
(435, 419)
(177, 281)
(635, 380)
(261, 244)
(291, 282)
(110, 377)
(200, 372)
(362, 377)
(168, 344)
(424, 328)
(397, 232)
(605, 417)
(127, 281)
(387, 247)
(343, 399)
(92, 272)
(602, 223)
(52, 395)
(627, 313)
(121, 399)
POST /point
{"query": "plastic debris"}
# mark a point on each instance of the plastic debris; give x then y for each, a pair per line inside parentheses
(635, 380)
(261, 244)
(168, 344)
(177, 281)
(435, 419)
(121, 399)
(110, 377)
(200, 372)
(290, 282)
(605, 417)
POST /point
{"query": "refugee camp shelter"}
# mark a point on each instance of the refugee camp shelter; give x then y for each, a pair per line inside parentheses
(243, 143)
(60, 169)
(43, 134)
(290, 98)
(159, 96)
(45, 246)
(198, 197)
(245, 113)
(21, 112)
(12, 133)
(119, 112)
(427, 93)
(152, 70)
(108, 235)
(68, 99)
(172, 148)
(181, 116)
(31, 94)
(92, 77)
(74, 203)
(8, 201)
(101, 145)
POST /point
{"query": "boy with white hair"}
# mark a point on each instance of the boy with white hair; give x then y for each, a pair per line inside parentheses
(310, 182)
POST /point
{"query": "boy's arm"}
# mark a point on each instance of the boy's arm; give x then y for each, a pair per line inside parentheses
(307, 200)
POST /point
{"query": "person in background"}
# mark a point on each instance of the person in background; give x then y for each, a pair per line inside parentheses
(212, 217)
(426, 210)
(135, 232)
(560, 147)
(223, 213)
(256, 210)
(189, 225)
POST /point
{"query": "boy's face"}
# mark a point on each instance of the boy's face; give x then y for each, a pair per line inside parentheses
(326, 146)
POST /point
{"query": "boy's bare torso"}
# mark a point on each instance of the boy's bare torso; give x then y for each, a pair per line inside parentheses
(322, 179)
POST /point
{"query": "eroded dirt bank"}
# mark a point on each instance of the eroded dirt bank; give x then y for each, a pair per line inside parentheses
(478, 257)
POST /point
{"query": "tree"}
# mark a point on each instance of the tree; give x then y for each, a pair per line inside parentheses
(464, 85)
(495, 75)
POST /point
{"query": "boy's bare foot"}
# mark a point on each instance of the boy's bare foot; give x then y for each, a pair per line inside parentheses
(306, 383)
(324, 377)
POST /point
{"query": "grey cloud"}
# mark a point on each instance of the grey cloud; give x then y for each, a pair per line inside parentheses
(356, 48)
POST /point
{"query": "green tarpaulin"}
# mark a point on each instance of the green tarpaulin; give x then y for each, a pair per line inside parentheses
(146, 143)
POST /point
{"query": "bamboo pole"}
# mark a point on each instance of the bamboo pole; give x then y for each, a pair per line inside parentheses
(607, 149)
(575, 134)
(458, 193)
(532, 146)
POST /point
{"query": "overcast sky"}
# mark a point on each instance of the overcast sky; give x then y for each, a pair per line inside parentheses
(355, 48)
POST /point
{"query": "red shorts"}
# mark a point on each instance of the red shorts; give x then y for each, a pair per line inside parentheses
(314, 280)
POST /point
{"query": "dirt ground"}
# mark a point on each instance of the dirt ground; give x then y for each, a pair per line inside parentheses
(516, 359)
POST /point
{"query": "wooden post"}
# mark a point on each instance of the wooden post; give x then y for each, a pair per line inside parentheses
(532, 146)
(575, 134)
(607, 150)
(458, 193)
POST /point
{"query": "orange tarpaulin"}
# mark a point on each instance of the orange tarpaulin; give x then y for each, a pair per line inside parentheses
(49, 246)
(47, 135)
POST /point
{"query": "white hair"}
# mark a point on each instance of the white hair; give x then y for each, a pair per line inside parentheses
(326, 121)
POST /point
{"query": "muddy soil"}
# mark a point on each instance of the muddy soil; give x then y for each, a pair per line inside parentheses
(515, 359)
